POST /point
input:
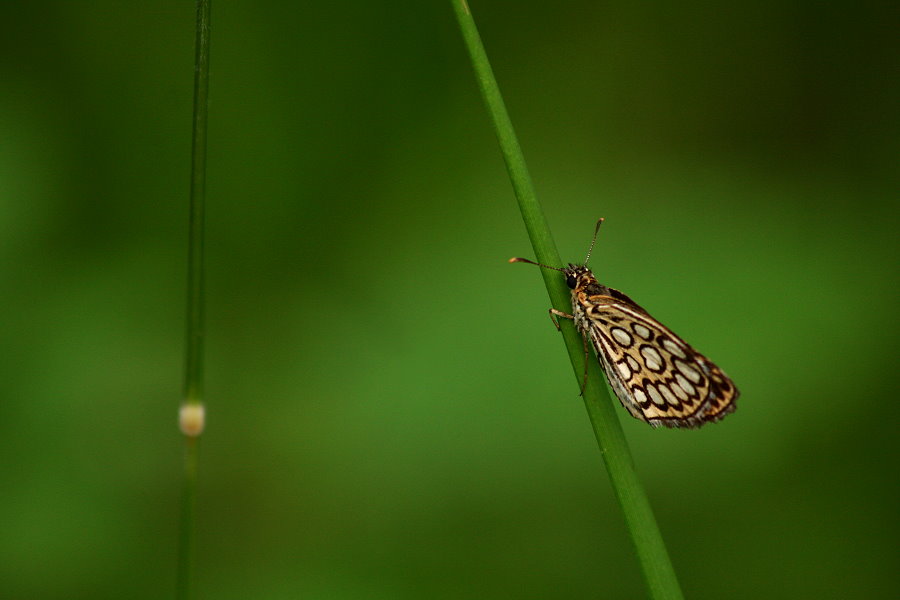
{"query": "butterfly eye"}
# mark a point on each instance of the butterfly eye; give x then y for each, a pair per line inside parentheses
(571, 281)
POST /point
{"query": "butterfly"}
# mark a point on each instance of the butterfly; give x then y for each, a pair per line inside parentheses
(656, 375)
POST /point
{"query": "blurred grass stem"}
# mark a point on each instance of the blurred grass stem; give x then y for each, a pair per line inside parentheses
(193, 369)
(654, 559)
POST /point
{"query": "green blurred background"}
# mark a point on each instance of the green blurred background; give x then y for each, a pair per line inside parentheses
(391, 414)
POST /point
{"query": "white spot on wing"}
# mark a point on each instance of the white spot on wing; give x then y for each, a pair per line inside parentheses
(685, 384)
(680, 391)
(641, 330)
(689, 371)
(667, 394)
(624, 371)
(633, 363)
(652, 358)
(639, 395)
(621, 336)
(655, 396)
(673, 348)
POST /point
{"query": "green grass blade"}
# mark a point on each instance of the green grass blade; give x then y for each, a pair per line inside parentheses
(652, 555)
(191, 417)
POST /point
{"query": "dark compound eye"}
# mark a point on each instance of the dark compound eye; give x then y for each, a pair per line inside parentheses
(571, 281)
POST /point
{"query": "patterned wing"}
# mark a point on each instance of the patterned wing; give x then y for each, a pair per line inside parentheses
(656, 375)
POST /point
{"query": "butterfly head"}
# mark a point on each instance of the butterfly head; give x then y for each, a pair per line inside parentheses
(578, 276)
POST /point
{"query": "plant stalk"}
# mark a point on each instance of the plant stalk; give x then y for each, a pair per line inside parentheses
(656, 566)
(192, 414)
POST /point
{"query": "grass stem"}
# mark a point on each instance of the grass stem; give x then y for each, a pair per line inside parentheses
(192, 405)
(654, 559)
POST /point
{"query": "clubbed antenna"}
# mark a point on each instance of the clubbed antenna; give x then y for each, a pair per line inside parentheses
(531, 262)
(593, 241)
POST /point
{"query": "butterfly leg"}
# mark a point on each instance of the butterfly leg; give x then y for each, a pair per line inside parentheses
(559, 313)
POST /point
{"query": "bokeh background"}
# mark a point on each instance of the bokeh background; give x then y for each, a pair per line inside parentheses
(391, 413)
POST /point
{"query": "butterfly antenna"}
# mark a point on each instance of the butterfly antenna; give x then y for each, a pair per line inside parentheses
(531, 262)
(593, 241)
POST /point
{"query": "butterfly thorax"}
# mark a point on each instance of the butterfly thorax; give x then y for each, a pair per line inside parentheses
(582, 281)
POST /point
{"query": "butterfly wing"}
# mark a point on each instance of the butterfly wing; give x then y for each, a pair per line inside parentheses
(655, 374)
